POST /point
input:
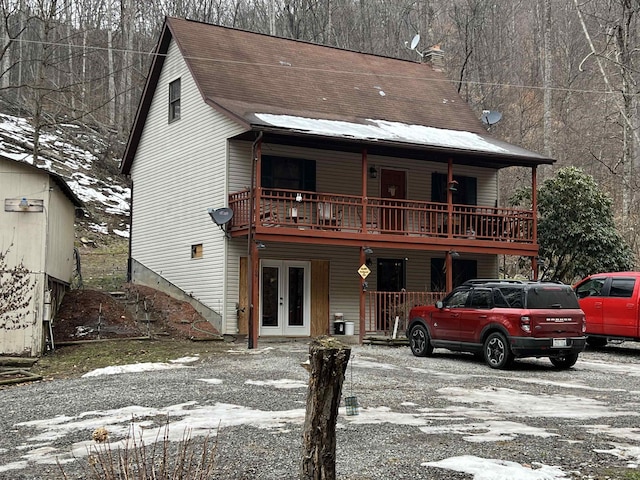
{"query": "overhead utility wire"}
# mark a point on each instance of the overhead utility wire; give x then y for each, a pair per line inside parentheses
(609, 90)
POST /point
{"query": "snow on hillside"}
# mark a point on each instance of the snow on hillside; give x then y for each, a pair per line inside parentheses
(87, 169)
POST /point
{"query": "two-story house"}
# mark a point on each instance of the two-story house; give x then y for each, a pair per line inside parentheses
(358, 184)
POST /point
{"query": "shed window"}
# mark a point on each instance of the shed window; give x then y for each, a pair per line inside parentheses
(174, 100)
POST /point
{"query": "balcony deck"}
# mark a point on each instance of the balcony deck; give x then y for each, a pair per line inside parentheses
(335, 216)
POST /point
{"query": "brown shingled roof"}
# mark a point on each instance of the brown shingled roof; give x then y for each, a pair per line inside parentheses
(244, 73)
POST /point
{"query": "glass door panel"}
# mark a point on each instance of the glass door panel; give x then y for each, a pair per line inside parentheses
(270, 296)
(285, 298)
(296, 297)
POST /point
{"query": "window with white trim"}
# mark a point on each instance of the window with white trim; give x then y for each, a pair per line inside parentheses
(174, 100)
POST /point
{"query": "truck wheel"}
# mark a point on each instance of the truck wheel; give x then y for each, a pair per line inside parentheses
(496, 351)
(419, 341)
(564, 361)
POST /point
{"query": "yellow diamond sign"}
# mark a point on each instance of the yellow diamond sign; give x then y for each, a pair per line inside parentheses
(364, 271)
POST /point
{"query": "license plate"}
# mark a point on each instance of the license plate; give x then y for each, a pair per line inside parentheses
(559, 342)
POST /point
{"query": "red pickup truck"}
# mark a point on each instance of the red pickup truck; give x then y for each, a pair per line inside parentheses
(610, 303)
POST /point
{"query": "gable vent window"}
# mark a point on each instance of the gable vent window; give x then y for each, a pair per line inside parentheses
(174, 100)
(196, 251)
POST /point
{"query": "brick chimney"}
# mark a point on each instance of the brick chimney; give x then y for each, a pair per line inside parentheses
(434, 56)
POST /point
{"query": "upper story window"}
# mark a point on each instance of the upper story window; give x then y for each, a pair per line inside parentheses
(464, 194)
(174, 100)
(288, 173)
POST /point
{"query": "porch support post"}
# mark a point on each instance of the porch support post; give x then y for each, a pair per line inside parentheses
(534, 208)
(449, 201)
(362, 281)
(254, 262)
(365, 169)
(448, 265)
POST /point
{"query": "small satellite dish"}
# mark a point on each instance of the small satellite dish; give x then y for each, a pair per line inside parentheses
(414, 41)
(490, 117)
(221, 216)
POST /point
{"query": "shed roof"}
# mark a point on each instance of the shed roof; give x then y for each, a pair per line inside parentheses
(286, 86)
(57, 179)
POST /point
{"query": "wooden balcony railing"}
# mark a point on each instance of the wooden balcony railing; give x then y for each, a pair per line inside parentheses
(344, 213)
(382, 308)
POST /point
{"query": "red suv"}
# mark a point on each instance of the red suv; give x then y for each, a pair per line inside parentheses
(502, 320)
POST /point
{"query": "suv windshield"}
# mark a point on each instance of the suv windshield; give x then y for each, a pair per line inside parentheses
(551, 297)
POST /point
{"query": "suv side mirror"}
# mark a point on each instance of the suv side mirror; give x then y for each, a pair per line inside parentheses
(439, 304)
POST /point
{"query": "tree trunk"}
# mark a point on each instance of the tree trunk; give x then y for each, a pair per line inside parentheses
(328, 362)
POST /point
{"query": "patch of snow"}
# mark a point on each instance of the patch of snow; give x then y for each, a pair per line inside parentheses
(491, 431)
(70, 161)
(212, 381)
(622, 451)
(282, 383)
(102, 228)
(509, 401)
(133, 368)
(490, 469)
(385, 130)
(192, 359)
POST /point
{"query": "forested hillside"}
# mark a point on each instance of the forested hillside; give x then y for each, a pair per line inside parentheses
(564, 74)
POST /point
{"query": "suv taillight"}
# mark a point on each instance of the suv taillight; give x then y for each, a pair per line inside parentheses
(584, 324)
(525, 323)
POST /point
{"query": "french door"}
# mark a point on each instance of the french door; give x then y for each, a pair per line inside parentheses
(285, 298)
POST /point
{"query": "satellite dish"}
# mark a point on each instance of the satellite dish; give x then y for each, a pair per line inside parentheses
(414, 41)
(490, 117)
(221, 216)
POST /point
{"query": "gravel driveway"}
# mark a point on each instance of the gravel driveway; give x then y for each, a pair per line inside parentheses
(419, 418)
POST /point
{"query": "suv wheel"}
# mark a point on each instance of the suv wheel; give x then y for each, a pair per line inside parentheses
(496, 351)
(419, 341)
(564, 361)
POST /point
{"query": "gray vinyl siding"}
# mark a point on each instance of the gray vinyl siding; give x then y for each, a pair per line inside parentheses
(179, 171)
(340, 172)
(239, 166)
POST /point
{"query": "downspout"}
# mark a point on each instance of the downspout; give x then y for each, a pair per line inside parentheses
(129, 259)
(251, 252)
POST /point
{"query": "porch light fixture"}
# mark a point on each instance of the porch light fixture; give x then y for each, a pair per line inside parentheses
(24, 203)
(453, 186)
(367, 250)
(298, 197)
(373, 172)
(260, 246)
(453, 253)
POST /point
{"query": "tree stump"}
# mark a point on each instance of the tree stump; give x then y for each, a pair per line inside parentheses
(328, 359)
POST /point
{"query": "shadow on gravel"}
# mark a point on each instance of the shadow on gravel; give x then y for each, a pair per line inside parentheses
(525, 364)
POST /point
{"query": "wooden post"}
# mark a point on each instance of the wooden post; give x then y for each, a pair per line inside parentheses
(534, 208)
(362, 281)
(328, 359)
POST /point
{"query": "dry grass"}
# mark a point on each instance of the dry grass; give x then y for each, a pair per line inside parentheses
(134, 460)
(73, 361)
